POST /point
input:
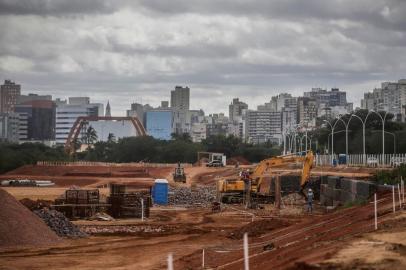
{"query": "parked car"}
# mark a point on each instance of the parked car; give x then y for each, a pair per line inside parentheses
(372, 162)
(215, 163)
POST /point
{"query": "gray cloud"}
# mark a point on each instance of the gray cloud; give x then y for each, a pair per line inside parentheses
(138, 50)
(55, 7)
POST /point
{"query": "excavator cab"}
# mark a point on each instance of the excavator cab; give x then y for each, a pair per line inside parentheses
(179, 174)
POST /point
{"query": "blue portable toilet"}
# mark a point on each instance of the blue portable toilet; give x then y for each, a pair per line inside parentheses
(342, 159)
(160, 191)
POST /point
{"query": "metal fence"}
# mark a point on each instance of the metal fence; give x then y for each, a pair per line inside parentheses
(360, 160)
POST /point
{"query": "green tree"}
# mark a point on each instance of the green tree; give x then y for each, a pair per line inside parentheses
(111, 138)
(90, 136)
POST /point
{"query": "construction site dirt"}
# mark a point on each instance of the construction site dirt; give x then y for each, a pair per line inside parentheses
(287, 238)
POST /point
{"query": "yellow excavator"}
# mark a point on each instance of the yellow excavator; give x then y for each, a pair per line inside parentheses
(257, 184)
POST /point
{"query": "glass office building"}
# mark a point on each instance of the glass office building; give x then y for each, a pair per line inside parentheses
(159, 124)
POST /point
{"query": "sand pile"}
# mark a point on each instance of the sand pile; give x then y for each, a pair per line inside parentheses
(19, 227)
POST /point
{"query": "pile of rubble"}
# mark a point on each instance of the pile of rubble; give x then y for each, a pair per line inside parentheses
(200, 195)
(59, 223)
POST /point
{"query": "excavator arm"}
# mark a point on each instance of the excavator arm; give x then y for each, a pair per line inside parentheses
(266, 166)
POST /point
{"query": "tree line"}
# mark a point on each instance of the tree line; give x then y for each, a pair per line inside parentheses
(134, 149)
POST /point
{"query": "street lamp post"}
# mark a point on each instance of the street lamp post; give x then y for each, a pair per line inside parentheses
(332, 135)
(383, 132)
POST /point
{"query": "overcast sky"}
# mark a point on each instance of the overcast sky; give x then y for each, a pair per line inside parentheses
(126, 51)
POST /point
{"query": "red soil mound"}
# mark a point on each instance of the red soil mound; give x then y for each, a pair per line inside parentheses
(19, 227)
(240, 160)
(258, 228)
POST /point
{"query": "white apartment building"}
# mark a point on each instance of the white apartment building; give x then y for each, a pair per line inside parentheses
(198, 132)
(391, 97)
(263, 126)
(68, 112)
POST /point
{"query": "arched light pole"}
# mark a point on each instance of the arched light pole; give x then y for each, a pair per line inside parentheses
(332, 135)
(346, 132)
(383, 132)
(363, 132)
(394, 140)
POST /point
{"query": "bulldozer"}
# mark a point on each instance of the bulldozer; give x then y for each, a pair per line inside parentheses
(253, 185)
(179, 174)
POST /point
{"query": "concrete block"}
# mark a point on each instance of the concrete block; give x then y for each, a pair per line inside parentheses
(323, 188)
(328, 202)
(336, 194)
(346, 184)
(334, 182)
(346, 196)
(359, 197)
(336, 203)
(354, 186)
(364, 189)
(324, 179)
(329, 192)
(322, 200)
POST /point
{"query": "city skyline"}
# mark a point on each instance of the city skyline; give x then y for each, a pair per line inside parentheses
(167, 97)
(140, 49)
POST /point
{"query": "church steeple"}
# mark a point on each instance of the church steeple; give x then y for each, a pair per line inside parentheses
(108, 110)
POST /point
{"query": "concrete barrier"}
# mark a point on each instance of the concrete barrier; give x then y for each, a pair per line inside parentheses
(334, 182)
(343, 190)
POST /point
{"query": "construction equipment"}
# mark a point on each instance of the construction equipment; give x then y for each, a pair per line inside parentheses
(255, 185)
(179, 174)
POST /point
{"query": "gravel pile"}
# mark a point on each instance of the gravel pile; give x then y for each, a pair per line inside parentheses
(200, 195)
(128, 229)
(19, 227)
(59, 223)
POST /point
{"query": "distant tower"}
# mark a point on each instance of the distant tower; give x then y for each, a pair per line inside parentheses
(108, 110)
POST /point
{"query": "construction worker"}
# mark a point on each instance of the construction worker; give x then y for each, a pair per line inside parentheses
(310, 197)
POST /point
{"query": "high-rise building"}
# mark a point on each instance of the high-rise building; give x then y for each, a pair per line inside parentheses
(332, 98)
(289, 114)
(306, 111)
(198, 132)
(391, 97)
(138, 110)
(9, 123)
(9, 93)
(180, 98)
(236, 109)
(67, 113)
(180, 105)
(36, 120)
(32, 97)
(263, 126)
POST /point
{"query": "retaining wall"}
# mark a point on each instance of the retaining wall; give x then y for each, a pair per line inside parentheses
(336, 190)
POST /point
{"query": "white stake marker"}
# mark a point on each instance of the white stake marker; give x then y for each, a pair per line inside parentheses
(170, 261)
(376, 212)
(142, 209)
(400, 199)
(246, 259)
(203, 259)
(393, 198)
